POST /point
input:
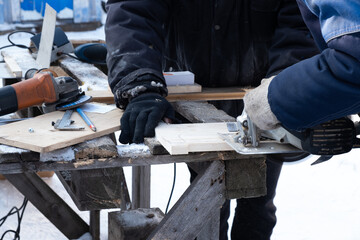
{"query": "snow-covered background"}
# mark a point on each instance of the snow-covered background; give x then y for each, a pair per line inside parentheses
(314, 202)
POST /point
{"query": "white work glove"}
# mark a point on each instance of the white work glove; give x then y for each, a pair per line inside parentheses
(257, 106)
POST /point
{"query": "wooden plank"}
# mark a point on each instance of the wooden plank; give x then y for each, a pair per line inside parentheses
(89, 76)
(43, 57)
(201, 112)
(45, 138)
(96, 189)
(184, 88)
(211, 229)
(186, 218)
(5, 73)
(207, 94)
(196, 137)
(11, 154)
(49, 204)
(23, 58)
(130, 158)
(13, 66)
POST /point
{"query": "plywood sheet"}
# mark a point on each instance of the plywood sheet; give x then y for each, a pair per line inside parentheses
(45, 138)
(194, 137)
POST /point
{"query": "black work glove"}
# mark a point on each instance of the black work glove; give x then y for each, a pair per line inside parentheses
(142, 115)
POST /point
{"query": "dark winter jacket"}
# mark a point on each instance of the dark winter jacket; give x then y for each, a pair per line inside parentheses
(224, 43)
(326, 86)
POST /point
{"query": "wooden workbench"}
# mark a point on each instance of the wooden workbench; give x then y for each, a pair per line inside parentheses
(221, 175)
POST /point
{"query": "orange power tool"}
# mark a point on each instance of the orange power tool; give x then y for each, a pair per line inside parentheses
(40, 88)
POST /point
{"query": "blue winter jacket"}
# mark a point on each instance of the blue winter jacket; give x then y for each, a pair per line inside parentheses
(326, 86)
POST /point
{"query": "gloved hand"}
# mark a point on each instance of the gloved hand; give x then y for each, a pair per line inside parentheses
(142, 115)
(257, 106)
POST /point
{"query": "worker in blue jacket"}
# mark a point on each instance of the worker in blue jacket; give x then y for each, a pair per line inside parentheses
(321, 88)
(225, 43)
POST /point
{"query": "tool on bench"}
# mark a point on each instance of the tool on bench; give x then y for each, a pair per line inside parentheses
(41, 88)
(94, 53)
(327, 139)
(65, 123)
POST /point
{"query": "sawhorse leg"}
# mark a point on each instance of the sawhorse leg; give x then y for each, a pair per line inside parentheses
(49, 204)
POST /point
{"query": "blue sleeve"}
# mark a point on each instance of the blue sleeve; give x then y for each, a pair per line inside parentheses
(336, 18)
(324, 87)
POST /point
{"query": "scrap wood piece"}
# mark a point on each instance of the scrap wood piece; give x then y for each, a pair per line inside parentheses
(23, 58)
(5, 73)
(89, 76)
(13, 66)
(45, 138)
(193, 137)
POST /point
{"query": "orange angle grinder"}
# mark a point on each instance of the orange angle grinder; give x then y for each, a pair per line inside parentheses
(41, 88)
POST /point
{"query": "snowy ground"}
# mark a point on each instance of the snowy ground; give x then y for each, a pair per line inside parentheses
(314, 202)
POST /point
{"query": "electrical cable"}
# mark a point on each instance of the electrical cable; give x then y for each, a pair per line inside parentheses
(20, 213)
(172, 189)
(12, 44)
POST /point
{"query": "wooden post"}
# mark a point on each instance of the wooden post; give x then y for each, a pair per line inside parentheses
(141, 187)
(133, 224)
(245, 177)
(95, 224)
(200, 201)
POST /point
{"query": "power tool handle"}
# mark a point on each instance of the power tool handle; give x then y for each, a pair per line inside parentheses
(329, 138)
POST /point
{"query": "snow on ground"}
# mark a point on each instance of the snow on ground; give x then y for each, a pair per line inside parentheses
(314, 202)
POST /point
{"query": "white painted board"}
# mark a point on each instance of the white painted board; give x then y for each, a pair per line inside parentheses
(194, 137)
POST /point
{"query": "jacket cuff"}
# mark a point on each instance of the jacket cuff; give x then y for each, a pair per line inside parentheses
(138, 82)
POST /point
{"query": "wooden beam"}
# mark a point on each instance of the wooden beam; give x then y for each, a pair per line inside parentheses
(96, 189)
(23, 59)
(204, 196)
(49, 204)
(207, 94)
(126, 159)
(95, 224)
(201, 112)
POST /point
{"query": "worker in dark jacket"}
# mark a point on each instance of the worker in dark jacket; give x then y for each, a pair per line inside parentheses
(322, 88)
(225, 43)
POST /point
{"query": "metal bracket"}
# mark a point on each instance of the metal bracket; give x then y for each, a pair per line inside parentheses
(264, 147)
(65, 123)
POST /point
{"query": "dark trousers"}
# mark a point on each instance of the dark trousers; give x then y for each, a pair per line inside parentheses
(254, 217)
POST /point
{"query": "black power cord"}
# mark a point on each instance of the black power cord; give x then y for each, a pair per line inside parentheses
(12, 44)
(20, 212)
(172, 189)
